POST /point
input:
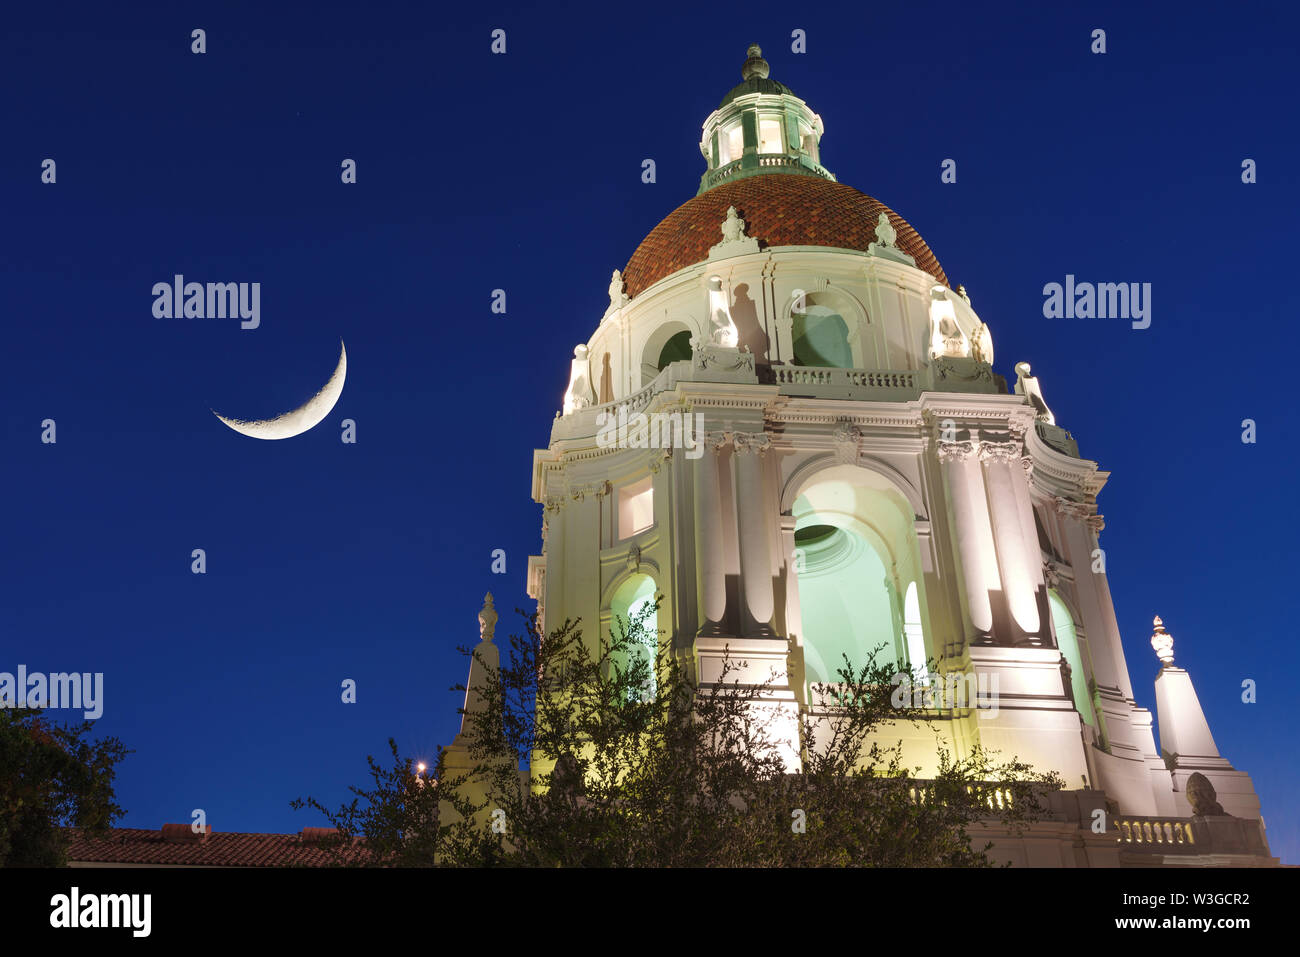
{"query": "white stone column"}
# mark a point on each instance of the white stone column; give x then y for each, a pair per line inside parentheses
(553, 551)
(975, 553)
(753, 535)
(1021, 482)
(1081, 524)
(894, 589)
(710, 570)
(793, 609)
(1019, 560)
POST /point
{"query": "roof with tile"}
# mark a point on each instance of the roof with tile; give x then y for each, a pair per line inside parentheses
(779, 209)
(169, 847)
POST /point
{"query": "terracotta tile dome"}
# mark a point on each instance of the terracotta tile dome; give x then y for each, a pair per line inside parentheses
(779, 209)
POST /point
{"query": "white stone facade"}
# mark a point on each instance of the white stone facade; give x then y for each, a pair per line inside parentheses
(974, 503)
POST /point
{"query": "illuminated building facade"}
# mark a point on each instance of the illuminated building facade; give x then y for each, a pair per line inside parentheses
(844, 469)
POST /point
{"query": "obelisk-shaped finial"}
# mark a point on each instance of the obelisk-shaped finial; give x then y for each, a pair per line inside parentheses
(487, 619)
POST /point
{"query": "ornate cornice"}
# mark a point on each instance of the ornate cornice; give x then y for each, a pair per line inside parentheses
(576, 493)
(806, 410)
(1083, 512)
(1077, 510)
(579, 493)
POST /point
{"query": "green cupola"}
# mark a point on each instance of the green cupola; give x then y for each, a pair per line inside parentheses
(760, 127)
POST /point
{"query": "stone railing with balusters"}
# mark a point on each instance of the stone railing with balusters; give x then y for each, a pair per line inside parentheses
(818, 382)
(997, 797)
(1216, 834)
(827, 383)
(1166, 835)
(586, 421)
(765, 161)
(723, 173)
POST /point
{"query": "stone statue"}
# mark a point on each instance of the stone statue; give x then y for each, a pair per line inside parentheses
(1027, 385)
(734, 242)
(579, 395)
(954, 343)
(616, 295)
(733, 227)
(1201, 796)
(946, 338)
(982, 344)
(722, 329)
(885, 233)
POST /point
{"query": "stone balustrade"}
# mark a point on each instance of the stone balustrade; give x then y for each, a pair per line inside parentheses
(1163, 834)
(823, 378)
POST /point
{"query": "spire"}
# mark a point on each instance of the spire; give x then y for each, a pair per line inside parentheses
(1184, 732)
(484, 660)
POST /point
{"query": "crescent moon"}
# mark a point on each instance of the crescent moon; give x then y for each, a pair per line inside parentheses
(308, 415)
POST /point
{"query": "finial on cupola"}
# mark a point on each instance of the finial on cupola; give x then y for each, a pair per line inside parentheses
(755, 66)
(487, 619)
(1163, 643)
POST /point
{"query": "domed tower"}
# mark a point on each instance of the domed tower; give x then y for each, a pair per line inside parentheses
(788, 423)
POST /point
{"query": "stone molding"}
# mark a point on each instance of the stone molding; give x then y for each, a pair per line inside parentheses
(956, 451)
(757, 442)
(846, 439)
(1009, 452)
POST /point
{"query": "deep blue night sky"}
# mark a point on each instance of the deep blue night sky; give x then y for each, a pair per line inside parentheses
(522, 172)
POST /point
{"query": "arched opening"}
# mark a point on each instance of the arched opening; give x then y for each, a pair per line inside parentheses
(854, 544)
(667, 343)
(914, 634)
(820, 337)
(630, 608)
(1067, 640)
(678, 347)
(845, 600)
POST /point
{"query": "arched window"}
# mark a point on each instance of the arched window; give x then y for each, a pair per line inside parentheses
(913, 634)
(629, 603)
(1067, 640)
(821, 338)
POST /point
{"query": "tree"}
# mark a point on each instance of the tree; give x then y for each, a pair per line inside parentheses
(720, 775)
(52, 777)
(402, 820)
